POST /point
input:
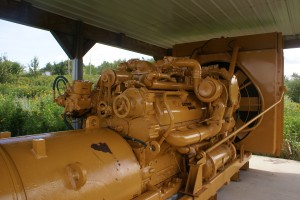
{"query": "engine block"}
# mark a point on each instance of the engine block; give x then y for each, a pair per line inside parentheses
(178, 128)
(170, 112)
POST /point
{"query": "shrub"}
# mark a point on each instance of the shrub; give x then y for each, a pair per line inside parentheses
(24, 116)
(291, 130)
(8, 70)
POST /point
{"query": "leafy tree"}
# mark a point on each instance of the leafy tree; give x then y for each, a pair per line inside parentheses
(8, 69)
(47, 68)
(60, 68)
(16, 68)
(293, 86)
(90, 69)
(295, 75)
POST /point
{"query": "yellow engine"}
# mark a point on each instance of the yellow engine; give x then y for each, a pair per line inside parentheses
(173, 129)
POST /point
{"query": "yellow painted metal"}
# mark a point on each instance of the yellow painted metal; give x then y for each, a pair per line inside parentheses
(217, 159)
(5, 134)
(10, 182)
(210, 188)
(245, 125)
(198, 134)
(80, 164)
(77, 98)
(268, 79)
(260, 59)
(174, 128)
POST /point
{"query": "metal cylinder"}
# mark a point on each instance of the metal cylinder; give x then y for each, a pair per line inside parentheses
(129, 104)
(217, 159)
(209, 90)
(82, 87)
(80, 164)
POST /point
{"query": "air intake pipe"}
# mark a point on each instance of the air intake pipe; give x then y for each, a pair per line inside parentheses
(170, 62)
(195, 135)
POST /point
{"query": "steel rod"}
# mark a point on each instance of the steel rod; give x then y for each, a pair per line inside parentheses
(244, 126)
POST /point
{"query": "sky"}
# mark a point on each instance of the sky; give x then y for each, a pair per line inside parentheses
(22, 43)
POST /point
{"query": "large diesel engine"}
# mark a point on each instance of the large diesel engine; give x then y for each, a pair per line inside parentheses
(171, 129)
(169, 113)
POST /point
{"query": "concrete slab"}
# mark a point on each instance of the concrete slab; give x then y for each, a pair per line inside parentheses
(267, 179)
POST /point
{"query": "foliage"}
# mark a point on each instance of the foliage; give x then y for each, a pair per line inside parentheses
(9, 69)
(24, 116)
(27, 86)
(90, 70)
(293, 86)
(93, 70)
(34, 66)
(20, 91)
(61, 68)
(291, 130)
(26, 104)
(65, 67)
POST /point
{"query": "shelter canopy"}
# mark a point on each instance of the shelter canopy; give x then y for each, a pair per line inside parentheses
(153, 27)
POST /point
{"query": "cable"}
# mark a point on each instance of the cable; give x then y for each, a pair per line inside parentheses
(56, 82)
(135, 140)
(57, 85)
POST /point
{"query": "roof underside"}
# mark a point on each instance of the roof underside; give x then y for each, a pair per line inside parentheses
(169, 22)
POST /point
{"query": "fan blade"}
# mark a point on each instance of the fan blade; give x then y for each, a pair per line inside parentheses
(241, 77)
(250, 104)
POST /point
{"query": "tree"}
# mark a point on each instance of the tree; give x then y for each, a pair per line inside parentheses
(16, 68)
(60, 68)
(34, 66)
(91, 69)
(8, 69)
(47, 68)
(293, 86)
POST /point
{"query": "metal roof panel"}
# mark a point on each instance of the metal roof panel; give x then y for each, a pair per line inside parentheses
(169, 22)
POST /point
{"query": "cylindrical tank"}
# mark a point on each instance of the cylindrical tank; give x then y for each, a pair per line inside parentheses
(81, 164)
(217, 159)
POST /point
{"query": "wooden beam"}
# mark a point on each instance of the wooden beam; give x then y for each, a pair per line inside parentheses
(65, 41)
(87, 45)
(24, 13)
(122, 41)
(291, 41)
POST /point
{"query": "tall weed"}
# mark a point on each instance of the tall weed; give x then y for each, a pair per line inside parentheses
(291, 130)
(23, 116)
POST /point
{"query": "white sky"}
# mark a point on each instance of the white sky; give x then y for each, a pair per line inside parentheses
(21, 43)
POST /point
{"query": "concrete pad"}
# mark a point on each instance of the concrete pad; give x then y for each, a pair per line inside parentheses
(267, 179)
